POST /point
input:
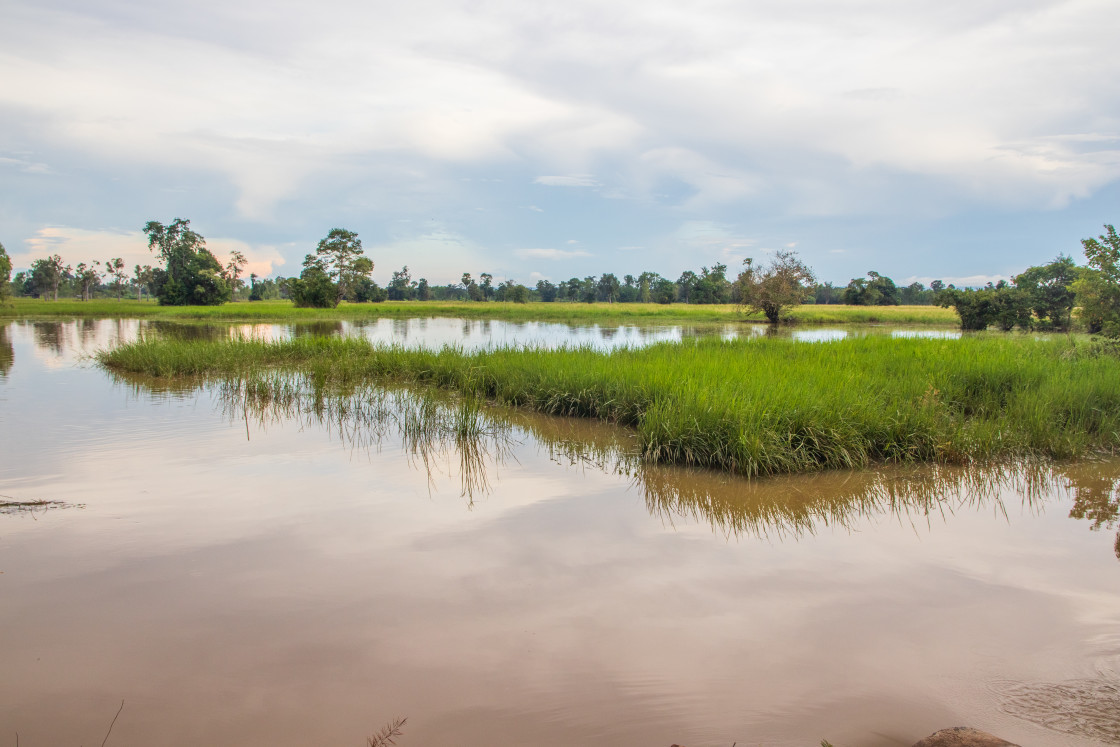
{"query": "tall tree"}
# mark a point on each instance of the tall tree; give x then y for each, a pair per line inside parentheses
(786, 282)
(191, 275)
(1098, 287)
(142, 278)
(47, 275)
(5, 276)
(608, 287)
(233, 269)
(328, 274)
(115, 268)
(87, 277)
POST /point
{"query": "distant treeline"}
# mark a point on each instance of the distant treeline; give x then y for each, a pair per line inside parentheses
(1040, 297)
(52, 278)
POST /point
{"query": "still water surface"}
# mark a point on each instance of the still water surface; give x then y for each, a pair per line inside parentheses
(245, 576)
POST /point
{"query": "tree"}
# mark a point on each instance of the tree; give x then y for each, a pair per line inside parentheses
(115, 268)
(712, 286)
(474, 293)
(142, 277)
(1049, 290)
(313, 288)
(608, 287)
(685, 283)
(5, 276)
(588, 289)
(1098, 285)
(1002, 304)
(664, 291)
(233, 269)
(191, 275)
(877, 290)
(47, 274)
(331, 272)
(423, 290)
(645, 284)
(338, 257)
(400, 287)
(547, 291)
(786, 282)
(87, 277)
(487, 285)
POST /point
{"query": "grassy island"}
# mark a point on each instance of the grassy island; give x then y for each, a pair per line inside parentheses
(585, 313)
(758, 407)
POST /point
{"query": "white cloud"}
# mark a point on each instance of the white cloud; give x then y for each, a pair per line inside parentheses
(553, 254)
(581, 180)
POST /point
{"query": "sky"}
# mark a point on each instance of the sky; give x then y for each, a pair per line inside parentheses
(921, 139)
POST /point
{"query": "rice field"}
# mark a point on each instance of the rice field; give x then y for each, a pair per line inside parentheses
(760, 407)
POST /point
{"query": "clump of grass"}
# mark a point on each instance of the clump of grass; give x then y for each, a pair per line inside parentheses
(388, 734)
(760, 407)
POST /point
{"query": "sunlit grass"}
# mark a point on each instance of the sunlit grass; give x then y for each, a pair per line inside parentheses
(559, 312)
(757, 407)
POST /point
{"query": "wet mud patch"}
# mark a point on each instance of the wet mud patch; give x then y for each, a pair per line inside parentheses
(1084, 708)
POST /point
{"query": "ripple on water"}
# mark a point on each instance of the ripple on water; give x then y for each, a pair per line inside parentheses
(1086, 707)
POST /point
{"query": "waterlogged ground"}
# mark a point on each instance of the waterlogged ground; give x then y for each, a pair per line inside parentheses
(294, 573)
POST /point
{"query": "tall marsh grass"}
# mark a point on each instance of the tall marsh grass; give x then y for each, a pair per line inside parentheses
(759, 407)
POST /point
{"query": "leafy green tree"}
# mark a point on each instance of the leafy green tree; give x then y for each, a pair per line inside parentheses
(87, 278)
(664, 291)
(233, 269)
(5, 276)
(47, 274)
(329, 275)
(547, 291)
(711, 286)
(338, 257)
(423, 290)
(588, 289)
(191, 275)
(685, 283)
(787, 281)
(608, 287)
(1049, 291)
(115, 268)
(645, 285)
(876, 290)
(364, 290)
(1003, 305)
(400, 287)
(142, 278)
(1098, 286)
(474, 293)
(487, 285)
(313, 288)
(628, 293)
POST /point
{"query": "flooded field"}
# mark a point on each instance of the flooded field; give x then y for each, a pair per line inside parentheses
(299, 572)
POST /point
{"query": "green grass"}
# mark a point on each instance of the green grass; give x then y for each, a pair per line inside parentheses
(559, 312)
(759, 407)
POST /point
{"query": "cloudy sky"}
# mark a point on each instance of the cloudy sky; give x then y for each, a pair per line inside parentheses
(922, 139)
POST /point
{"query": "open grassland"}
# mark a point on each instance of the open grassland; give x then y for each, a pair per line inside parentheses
(618, 313)
(756, 407)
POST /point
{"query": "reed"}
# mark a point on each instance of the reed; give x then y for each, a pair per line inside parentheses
(619, 313)
(758, 407)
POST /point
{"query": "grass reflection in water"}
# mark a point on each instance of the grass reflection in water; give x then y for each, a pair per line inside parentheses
(444, 433)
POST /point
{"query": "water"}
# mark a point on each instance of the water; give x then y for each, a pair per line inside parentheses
(243, 576)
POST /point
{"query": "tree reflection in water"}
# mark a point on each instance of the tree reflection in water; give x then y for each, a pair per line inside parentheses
(442, 434)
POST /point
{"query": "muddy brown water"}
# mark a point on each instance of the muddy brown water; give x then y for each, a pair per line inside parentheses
(245, 577)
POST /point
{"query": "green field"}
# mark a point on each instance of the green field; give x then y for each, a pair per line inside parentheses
(555, 312)
(758, 407)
